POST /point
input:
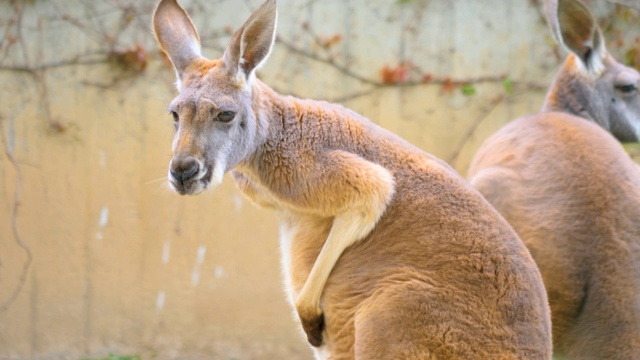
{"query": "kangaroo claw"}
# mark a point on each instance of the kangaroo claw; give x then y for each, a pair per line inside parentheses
(314, 327)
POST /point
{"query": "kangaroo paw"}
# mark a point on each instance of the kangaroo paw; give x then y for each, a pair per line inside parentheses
(313, 327)
(312, 319)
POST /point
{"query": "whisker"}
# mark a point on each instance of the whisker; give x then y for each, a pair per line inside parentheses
(163, 187)
(164, 178)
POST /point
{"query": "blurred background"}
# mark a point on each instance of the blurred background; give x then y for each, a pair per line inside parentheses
(98, 257)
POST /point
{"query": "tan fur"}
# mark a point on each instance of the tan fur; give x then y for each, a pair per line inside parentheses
(388, 253)
(573, 195)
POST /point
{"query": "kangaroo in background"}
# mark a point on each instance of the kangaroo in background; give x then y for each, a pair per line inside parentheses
(387, 252)
(572, 193)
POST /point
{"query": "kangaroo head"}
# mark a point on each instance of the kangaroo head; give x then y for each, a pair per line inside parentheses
(591, 83)
(216, 120)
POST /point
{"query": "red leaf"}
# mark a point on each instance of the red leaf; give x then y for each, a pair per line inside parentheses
(330, 41)
(448, 86)
(397, 75)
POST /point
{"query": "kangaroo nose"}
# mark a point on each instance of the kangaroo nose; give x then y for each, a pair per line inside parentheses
(184, 169)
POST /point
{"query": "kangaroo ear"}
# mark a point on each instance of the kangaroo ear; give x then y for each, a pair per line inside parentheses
(176, 35)
(251, 45)
(574, 27)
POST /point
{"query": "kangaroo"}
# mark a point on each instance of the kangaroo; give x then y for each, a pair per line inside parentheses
(387, 252)
(572, 194)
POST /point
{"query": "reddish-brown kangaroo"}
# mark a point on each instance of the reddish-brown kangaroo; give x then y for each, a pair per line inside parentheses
(572, 193)
(387, 252)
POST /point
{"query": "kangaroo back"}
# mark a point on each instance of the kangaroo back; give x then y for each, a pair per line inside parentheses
(572, 193)
(387, 252)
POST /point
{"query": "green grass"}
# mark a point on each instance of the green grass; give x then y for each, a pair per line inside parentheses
(115, 357)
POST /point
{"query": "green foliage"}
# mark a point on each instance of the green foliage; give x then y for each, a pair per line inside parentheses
(634, 150)
(507, 85)
(632, 57)
(468, 89)
(116, 357)
(617, 26)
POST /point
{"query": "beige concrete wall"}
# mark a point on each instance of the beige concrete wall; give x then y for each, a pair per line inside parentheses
(121, 264)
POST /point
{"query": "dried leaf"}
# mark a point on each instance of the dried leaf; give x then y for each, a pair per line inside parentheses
(448, 86)
(397, 75)
(135, 59)
(388, 75)
(330, 41)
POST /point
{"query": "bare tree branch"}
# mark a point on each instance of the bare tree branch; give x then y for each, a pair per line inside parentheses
(346, 71)
(14, 224)
(41, 67)
(474, 126)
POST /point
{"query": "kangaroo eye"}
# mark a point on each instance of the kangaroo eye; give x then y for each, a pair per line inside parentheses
(176, 118)
(225, 116)
(627, 88)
